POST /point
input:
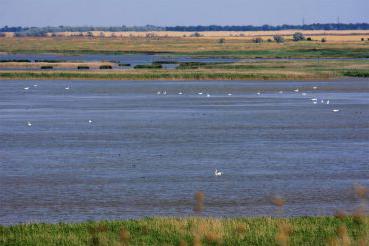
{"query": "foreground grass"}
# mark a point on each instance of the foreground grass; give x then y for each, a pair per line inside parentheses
(195, 231)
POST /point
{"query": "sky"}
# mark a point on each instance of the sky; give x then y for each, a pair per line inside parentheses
(179, 12)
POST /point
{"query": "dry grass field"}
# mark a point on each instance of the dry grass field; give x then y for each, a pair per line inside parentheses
(339, 44)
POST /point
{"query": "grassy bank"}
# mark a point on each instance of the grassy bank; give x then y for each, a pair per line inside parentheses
(195, 231)
(164, 75)
(255, 70)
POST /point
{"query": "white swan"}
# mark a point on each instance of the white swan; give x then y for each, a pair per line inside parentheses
(208, 95)
(315, 87)
(180, 93)
(217, 173)
(26, 88)
(304, 94)
(200, 93)
(90, 121)
(258, 93)
(229, 94)
(29, 123)
(280, 92)
(297, 90)
(158, 92)
(67, 88)
(328, 102)
(335, 110)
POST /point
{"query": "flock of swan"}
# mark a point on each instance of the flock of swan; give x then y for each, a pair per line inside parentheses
(217, 173)
(314, 100)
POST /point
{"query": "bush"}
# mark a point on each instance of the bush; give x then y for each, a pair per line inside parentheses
(196, 35)
(83, 67)
(269, 40)
(278, 39)
(298, 36)
(309, 39)
(124, 65)
(15, 60)
(258, 40)
(221, 41)
(362, 39)
(46, 67)
(106, 67)
(323, 40)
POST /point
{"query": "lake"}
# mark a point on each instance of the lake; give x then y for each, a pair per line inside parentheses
(118, 149)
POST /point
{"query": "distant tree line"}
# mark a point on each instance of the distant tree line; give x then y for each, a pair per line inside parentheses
(317, 26)
(41, 31)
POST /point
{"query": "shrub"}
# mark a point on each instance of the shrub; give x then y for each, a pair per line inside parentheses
(298, 36)
(221, 41)
(196, 35)
(15, 60)
(258, 40)
(269, 40)
(323, 40)
(362, 39)
(148, 66)
(83, 67)
(309, 39)
(278, 39)
(46, 67)
(124, 65)
(106, 67)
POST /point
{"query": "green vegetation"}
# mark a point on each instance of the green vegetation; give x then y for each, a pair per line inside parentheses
(106, 67)
(50, 61)
(195, 231)
(15, 60)
(255, 70)
(47, 67)
(124, 64)
(148, 66)
(306, 52)
(164, 75)
(357, 73)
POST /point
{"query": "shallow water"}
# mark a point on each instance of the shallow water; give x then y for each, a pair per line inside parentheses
(146, 154)
(133, 59)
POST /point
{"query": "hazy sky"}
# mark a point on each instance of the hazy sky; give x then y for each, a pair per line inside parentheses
(179, 12)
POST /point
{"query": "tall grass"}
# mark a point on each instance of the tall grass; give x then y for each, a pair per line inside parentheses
(190, 231)
(166, 75)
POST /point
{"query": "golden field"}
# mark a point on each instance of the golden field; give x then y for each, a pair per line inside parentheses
(349, 46)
